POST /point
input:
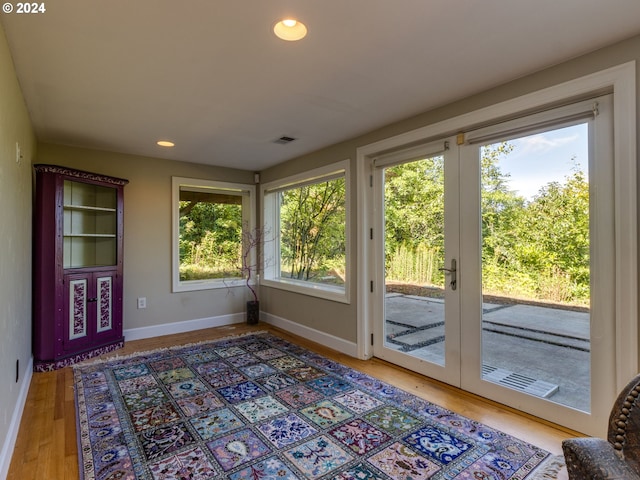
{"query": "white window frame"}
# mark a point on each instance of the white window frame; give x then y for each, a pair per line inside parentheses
(246, 191)
(271, 245)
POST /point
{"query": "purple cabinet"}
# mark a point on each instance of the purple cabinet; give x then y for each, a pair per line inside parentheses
(77, 277)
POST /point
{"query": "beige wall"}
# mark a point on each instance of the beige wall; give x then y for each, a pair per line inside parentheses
(147, 233)
(15, 238)
(340, 320)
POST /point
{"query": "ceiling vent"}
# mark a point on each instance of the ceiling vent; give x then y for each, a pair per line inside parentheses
(284, 140)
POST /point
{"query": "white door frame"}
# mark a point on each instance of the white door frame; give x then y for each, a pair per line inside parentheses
(619, 80)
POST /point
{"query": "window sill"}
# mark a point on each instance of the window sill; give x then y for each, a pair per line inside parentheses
(194, 285)
(327, 292)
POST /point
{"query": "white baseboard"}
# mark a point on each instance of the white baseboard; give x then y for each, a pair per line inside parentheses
(181, 327)
(331, 341)
(10, 441)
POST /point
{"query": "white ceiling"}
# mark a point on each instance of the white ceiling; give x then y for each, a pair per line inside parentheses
(210, 75)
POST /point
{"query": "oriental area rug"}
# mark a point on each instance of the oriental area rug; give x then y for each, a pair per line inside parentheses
(258, 407)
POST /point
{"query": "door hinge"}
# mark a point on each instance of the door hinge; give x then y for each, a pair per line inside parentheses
(371, 286)
(371, 234)
(372, 339)
(371, 181)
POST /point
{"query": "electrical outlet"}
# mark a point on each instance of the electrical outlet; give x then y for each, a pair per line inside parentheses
(142, 302)
(18, 153)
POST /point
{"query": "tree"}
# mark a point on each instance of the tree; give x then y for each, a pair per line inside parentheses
(414, 203)
(538, 248)
(501, 209)
(312, 222)
(414, 220)
(555, 232)
(414, 213)
(210, 239)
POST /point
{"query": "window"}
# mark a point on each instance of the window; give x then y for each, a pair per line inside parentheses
(209, 219)
(306, 246)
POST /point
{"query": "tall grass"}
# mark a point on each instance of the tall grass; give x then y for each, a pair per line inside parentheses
(416, 265)
(420, 266)
(206, 272)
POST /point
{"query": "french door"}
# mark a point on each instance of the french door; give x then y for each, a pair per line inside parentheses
(417, 321)
(494, 262)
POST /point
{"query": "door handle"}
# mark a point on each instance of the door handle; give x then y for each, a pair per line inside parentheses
(452, 271)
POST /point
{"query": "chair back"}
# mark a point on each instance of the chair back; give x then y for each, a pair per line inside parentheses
(624, 424)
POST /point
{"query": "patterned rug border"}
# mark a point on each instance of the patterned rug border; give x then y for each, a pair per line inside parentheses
(547, 469)
(146, 353)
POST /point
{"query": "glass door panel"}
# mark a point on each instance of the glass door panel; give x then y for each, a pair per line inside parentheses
(417, 314)
(536, 265)
(538, 243)
(414, 256)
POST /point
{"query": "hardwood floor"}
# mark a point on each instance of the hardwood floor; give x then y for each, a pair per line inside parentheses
(46, 446)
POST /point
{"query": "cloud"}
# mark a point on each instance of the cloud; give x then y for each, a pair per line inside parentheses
(542, 143)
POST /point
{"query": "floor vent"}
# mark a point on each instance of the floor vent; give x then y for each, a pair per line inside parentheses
(518, 382)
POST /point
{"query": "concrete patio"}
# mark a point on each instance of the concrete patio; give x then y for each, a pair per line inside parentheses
(537, 349)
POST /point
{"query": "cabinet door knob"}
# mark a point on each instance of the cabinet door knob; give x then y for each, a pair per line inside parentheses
(94, 299)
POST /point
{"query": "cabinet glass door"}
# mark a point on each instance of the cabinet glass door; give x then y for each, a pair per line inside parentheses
(90, 223)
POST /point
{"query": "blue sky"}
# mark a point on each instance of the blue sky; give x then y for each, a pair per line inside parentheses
(546, 157)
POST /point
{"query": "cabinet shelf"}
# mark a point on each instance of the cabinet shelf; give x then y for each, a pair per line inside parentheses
(90, 222)
(90, 235)
(89, 208)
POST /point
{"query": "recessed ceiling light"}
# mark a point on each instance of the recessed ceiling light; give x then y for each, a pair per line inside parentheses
(165, 143)
(290, 30)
